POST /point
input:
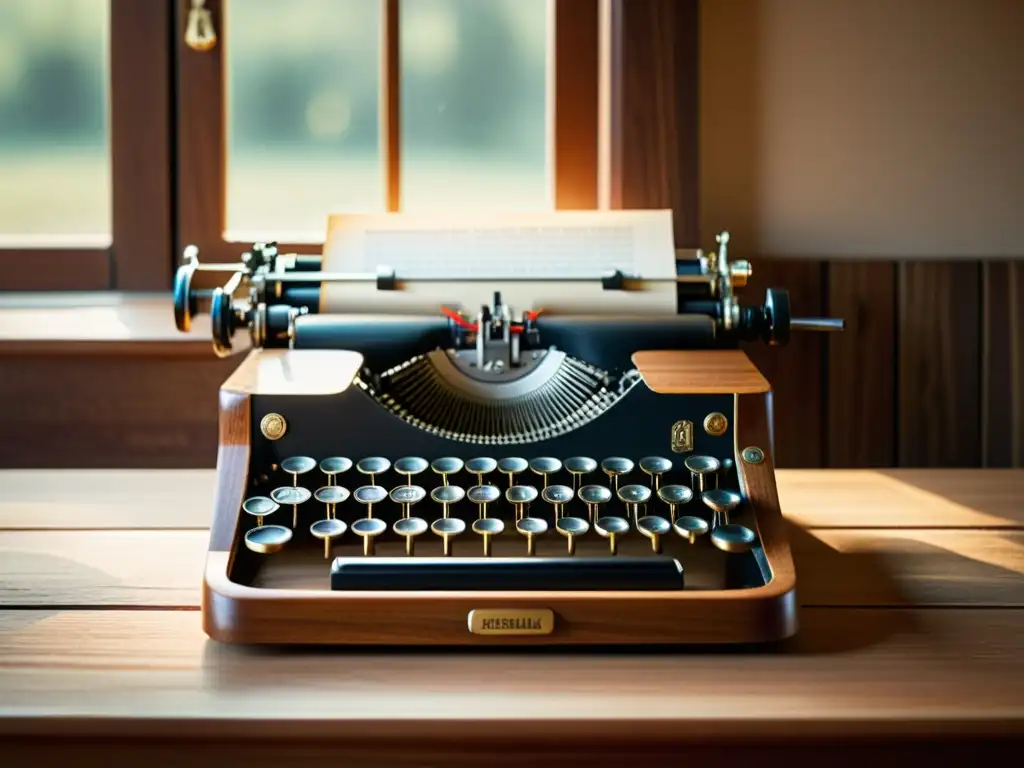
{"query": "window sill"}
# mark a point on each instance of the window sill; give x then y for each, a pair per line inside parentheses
(100, 323)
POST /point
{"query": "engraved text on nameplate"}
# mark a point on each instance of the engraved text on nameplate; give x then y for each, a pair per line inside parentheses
(512, 621)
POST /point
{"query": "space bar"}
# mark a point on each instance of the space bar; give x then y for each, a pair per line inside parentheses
(506, 573)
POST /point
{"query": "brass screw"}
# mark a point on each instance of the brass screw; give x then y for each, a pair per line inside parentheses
(273, 426)
(715, 424)
(753, 455)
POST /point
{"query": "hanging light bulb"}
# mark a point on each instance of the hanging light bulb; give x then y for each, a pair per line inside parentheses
(200, 34)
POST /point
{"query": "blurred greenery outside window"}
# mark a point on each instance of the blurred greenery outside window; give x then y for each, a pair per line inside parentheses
(55, 172)
(303, 107)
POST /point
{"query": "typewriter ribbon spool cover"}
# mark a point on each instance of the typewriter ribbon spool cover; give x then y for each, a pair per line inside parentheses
(522, 255)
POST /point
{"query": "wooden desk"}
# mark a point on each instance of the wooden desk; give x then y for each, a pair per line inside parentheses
(911, 645)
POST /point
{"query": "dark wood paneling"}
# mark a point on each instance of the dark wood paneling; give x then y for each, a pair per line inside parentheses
(938, 364)
(655, 110)
(140, 124)
(1003, 364)
(860, 383)
(110, 410)
(575, 99)
(795, 370)
(55, 269)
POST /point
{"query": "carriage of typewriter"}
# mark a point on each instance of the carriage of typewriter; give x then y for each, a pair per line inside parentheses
(494, 473)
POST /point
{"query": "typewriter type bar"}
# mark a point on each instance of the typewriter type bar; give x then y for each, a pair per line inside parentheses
(518, 574)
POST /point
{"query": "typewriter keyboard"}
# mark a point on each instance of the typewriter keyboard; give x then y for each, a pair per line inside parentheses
(508, 523)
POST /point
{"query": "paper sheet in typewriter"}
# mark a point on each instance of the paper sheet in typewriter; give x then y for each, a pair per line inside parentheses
(536, 260)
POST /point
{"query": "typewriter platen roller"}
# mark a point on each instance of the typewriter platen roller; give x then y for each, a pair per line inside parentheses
(498, 475)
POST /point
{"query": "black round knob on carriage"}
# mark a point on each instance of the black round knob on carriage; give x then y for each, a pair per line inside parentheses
(186, 304)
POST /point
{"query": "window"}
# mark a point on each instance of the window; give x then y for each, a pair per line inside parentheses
(54, 123)
(119, 144)
(328, 106)
(84, 144)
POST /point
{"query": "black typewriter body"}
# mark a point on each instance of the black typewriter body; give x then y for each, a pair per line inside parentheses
(629, 493)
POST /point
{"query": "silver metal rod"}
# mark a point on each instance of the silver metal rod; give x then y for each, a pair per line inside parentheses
(371, 277)
(817, 324)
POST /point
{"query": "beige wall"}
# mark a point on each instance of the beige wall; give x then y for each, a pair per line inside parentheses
(889, 128)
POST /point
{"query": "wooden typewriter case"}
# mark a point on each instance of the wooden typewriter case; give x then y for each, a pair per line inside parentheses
(286, 597)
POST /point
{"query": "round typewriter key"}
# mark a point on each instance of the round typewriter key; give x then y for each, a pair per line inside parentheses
(675, 495)
(633, 496)
(612, 528)
(407, 496)
(331, 496)
(409, 466)
(690, 527)
(373, 466)
(482, 495)
(571, 527)
(448, 465)
(614, 466)
(594, 496)
(327, 529)
(520, 497)
(655, 466)
(488, 527)
(653, 527)
(722, 502)
(579, 466)
(369, 495)
(544, 466)
(446, 495)
(702, 470)
(558, 496)
(409, 528)
(298, 465)
(448, 528)
(258, 506)
(531, 528)
(369, 529)
(335, 465)
(293, 495)
(267, 539)
(480, 466)
(733, 538)
(511, 466)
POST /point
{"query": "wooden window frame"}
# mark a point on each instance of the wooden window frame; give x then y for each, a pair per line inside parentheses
(201, 152)
(140, 257)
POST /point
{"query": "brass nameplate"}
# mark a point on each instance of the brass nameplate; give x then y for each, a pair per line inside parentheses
(512, 621)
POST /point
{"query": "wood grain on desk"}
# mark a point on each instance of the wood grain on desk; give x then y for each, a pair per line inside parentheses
(911, 586)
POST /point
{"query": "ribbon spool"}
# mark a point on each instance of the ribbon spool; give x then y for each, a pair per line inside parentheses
(200, 34)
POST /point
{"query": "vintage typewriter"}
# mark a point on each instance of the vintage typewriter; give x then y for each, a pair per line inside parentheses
(590, 466)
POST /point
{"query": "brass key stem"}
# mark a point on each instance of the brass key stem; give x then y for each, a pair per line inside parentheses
(259, 521)
(483, 514)
(445, 508)
(367, 545)
(447, 545)
(479, 478)
(530, 548)
(656, 544)
(295, 515)
(572, 544)
(487, 545)
(613, 543)
(672, 512)
(410, 545)
(369, 511)
(327, 548)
